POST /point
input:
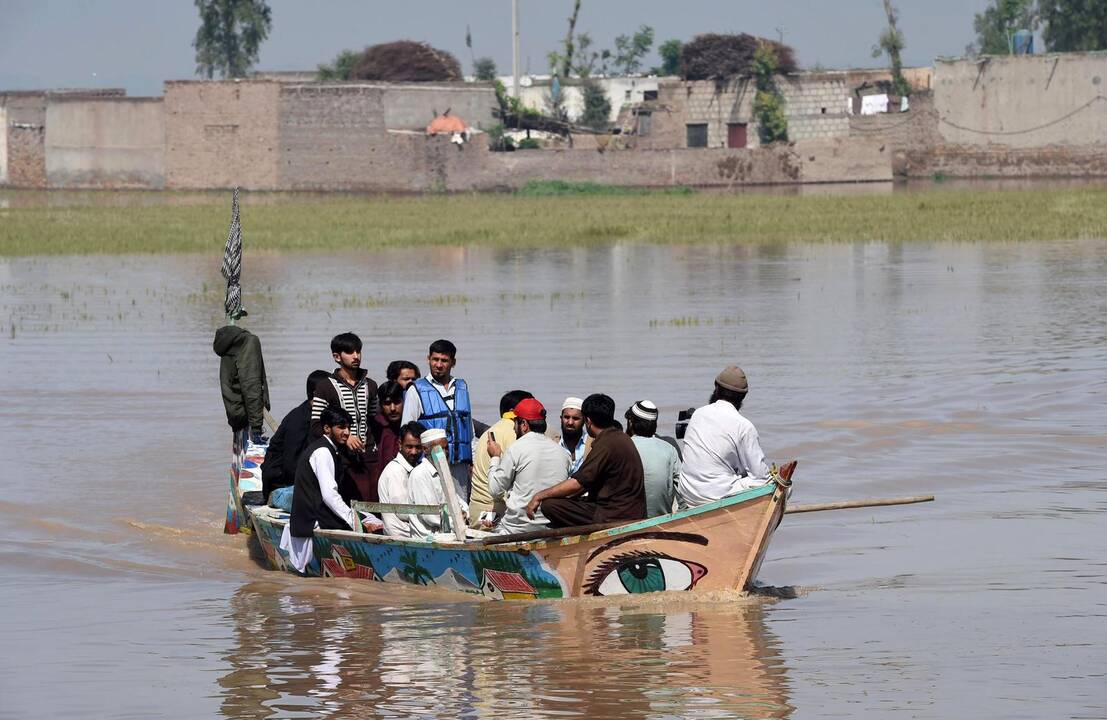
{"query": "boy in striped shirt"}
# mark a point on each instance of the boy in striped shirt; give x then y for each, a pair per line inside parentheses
(351, 389)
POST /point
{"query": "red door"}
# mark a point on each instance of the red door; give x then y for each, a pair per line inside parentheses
(736, 135)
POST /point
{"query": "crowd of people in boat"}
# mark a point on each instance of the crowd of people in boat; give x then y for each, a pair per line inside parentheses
(354, 440)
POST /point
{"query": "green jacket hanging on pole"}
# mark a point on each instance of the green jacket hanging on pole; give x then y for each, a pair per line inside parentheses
(242, 377)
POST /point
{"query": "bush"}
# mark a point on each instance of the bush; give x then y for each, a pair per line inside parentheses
(528, 144)
(498, 141)
(717, 57)
(484, 69)
(406, 61)
(597, 108)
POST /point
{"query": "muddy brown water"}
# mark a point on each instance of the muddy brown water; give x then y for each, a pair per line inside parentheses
(976, 372)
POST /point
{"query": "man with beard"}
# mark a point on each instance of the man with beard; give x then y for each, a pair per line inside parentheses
(278, 472)
(393, 486)
(425, 486)
(722, 453)
(351, 389)
(573, 440)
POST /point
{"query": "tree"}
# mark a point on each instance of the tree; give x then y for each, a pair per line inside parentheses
(998, 22)
(484, 68)
(597, 108)
(670, 57)
(231, 31)
(630, 49)
(768, 103)
(341, 68)
(1072, 25)
(891, 42)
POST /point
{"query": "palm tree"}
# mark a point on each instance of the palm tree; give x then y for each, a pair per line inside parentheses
(412, 571)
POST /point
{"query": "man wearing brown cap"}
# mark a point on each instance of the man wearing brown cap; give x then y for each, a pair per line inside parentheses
(722, 455)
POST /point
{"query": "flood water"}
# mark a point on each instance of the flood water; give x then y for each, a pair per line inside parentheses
(976, 372)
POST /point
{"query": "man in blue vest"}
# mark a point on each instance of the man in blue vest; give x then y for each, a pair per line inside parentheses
(440, 400)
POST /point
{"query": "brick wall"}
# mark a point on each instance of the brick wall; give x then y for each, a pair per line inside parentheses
(221, 134)
(329, 136)
(26, 150)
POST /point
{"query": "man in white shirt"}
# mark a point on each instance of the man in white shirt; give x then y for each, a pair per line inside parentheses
(722, 454)
(573, 440)
(393, 486)
(316, 502)
(426, 487)
(532, 463)
(441, 400)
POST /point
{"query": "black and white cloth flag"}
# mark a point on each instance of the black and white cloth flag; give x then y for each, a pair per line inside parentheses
(232, 265)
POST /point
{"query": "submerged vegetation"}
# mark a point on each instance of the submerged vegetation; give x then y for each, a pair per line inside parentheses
(546, 215)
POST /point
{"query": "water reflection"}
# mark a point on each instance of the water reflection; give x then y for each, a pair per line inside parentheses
(303, 656)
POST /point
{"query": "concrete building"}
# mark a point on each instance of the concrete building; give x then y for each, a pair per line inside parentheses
(534, 92)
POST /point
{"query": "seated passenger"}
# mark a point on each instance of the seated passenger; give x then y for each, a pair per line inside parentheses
(533, 463)
(480, 500)
(394, 481)
(425, 486)
(573, 440)
(278, 472)
(660, 462)
(611, 475)
(722, 455)
(315, 501)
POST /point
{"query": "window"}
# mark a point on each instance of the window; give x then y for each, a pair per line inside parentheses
(649, 94)
(697, 134)
(645, 123)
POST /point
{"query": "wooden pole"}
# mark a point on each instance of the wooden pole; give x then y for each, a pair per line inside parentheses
(438, 459)
(849, 504)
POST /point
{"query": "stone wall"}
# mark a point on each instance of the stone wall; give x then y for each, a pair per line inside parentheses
(1023, 101)
(221, 134)
(811, 161)
(105, 142)
(908, 135)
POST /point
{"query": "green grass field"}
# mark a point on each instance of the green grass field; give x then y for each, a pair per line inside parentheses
(184, 223)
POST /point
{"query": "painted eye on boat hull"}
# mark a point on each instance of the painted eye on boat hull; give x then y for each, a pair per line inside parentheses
(635, 573)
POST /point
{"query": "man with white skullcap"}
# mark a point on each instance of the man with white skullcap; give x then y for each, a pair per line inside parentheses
(722, 454)
(573, 440)
(426, 487)
(660, 461)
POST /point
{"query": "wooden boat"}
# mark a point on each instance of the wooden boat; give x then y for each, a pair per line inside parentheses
(718, 546)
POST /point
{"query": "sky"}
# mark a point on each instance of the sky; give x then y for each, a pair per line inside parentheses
(137, 44)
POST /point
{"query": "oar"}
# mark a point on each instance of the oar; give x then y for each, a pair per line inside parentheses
(848, 504)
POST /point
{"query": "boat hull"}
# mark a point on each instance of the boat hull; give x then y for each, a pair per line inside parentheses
(718, 546)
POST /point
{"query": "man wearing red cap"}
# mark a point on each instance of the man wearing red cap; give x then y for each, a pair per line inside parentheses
(532, 464)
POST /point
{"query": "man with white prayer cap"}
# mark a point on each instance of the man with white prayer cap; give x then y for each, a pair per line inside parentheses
(722, 453)
(573, 440)
(660, 461)
(426, 487)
